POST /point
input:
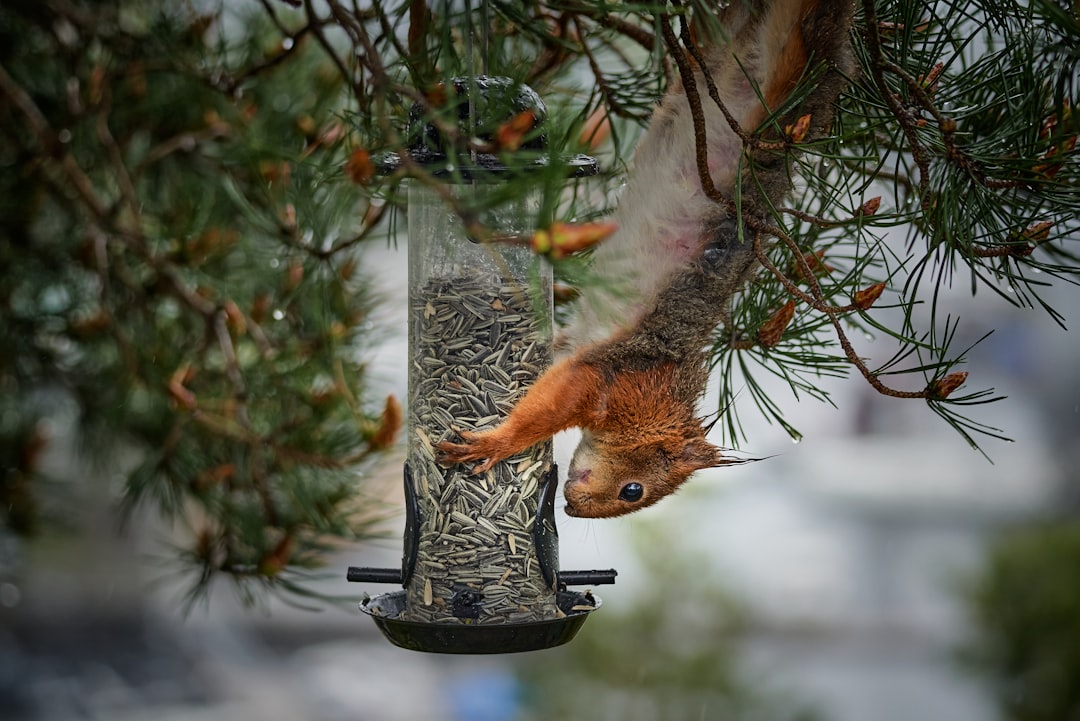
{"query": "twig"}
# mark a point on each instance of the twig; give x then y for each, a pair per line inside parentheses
(609, 97)
(316, 27)
(697, 116)
(181, 142)
(115, 156)
(285, 53)
(878, 64)
(747, 139)
(555, 51)
(613, 22)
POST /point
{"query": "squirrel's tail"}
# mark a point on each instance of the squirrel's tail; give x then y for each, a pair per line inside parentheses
(777, 62)
(776, 43)
(770, 63)
(790, 60)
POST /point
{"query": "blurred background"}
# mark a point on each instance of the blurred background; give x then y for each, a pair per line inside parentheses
(880, 569)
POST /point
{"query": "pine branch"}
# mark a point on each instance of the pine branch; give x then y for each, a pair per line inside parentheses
(200, 204)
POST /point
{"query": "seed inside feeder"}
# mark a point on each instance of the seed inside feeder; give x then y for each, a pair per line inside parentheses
(477, 345)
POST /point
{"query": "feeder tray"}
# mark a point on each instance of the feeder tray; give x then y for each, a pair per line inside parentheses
(470, 638)
(475, 638)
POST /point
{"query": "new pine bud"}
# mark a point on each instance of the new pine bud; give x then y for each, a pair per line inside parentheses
(234, 317)
(772, 330)
(1049, 170)
(305, 125)
(288, 216)
(211, 477)
(294, 275)
(796, 132)
(930, 81)
(866, 297)
(562, 239)
(1039, 232)
(511, 134)
(871, 206)
(271, 564)
(815, 262)
(942, 387)
(389, 424)
(260, 307)
(177, 389)
(596, 130)
(359, 167)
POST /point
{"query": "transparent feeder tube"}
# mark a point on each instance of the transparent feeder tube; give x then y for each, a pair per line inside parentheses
(480, 332)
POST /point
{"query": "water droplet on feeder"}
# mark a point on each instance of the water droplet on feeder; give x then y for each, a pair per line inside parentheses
(287, 44)
(279, 314)
(10, 595)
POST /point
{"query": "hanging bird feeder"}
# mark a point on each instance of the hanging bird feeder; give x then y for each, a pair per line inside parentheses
(480, 563)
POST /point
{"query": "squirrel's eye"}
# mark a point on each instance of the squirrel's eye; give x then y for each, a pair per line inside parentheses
(631, 492)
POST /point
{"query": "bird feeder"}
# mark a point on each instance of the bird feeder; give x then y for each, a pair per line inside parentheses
(480, 563)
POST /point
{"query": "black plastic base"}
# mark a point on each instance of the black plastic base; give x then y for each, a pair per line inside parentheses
(477, 638)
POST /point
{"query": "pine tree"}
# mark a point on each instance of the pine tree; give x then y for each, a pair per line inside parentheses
(185, 193)
(179, 266)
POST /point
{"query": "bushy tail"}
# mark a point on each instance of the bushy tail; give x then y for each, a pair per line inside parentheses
(775, 62)
(790, 60)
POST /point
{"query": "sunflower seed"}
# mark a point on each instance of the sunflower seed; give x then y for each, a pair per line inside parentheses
(476, 344)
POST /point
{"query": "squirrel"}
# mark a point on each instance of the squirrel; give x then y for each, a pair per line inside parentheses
(633, 360)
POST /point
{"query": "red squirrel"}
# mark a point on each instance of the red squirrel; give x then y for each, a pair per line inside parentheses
(634, 362)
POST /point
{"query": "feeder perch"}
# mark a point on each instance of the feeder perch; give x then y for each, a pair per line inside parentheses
(480, 563)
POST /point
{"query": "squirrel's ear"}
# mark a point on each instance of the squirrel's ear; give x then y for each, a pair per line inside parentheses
(699, 453)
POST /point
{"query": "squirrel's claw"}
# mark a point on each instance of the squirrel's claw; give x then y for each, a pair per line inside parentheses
(484, 467)
(448, 454)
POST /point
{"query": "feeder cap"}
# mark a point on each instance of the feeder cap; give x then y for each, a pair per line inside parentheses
(480, 106)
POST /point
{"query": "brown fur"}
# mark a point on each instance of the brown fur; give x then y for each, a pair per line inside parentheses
(634, 394)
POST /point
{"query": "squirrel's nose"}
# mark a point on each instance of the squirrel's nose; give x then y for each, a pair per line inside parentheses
(578, 475)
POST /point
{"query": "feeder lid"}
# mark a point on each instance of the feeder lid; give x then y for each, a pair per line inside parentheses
(481, 105)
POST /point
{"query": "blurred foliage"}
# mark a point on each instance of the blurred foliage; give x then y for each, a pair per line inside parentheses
(671, 653)
(177, 237)
(1024, 604)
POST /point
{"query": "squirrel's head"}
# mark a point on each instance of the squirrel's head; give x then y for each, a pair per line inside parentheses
(609, 478)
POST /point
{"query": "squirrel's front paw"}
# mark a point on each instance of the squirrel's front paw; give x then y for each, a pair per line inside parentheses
(448, 454)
